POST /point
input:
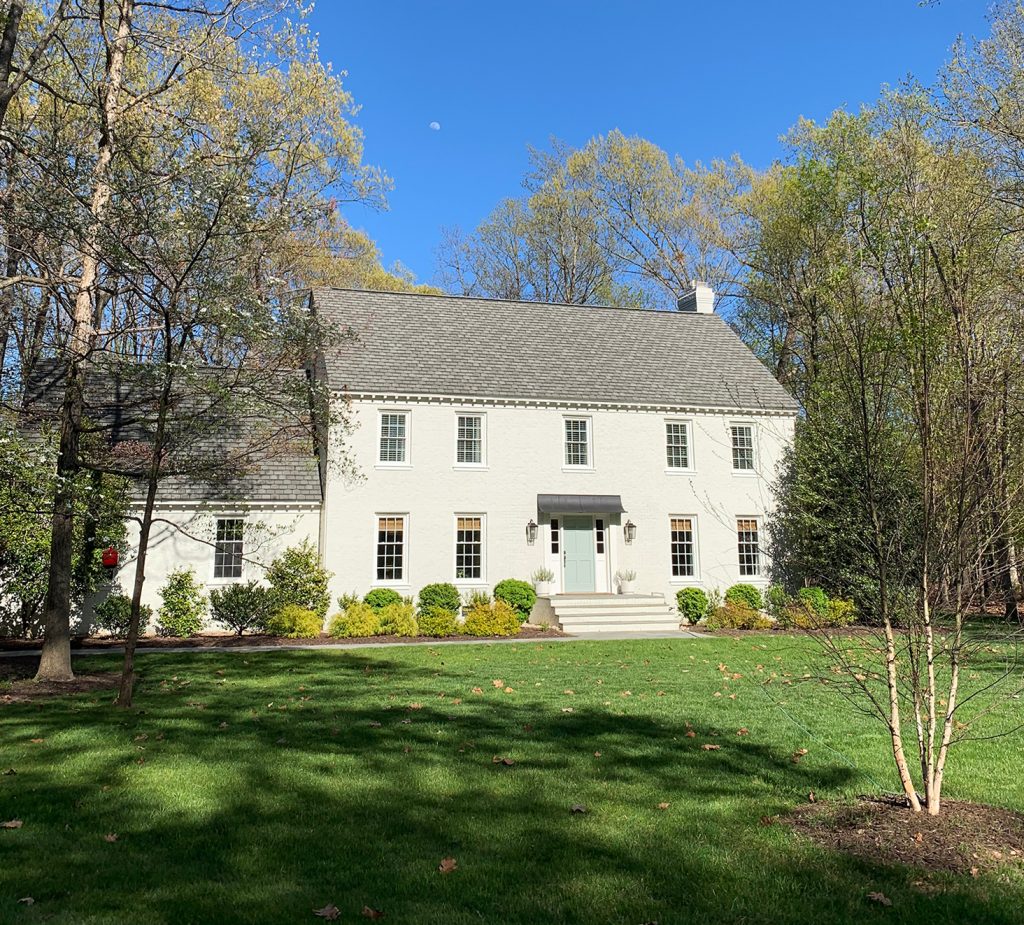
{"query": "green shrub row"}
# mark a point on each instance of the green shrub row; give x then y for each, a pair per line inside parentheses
(743, 604)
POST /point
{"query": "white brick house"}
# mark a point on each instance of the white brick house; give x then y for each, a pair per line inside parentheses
(494, 438)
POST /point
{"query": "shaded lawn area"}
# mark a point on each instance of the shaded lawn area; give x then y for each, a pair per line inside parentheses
(257, 787)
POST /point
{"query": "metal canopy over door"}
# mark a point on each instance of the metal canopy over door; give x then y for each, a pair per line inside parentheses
(578, 554)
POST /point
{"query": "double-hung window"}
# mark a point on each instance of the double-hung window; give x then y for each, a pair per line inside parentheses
(391, 532)
(742, 447)
(227, 551)
(748, 546)
(469, 547)
(677, 444)
(469, 440)
(683, 547)
(577, 443)
(394, 438)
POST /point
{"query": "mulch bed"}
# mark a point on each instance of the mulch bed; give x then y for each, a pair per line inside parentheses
(964, 837)
(224, 641)
(18, 686)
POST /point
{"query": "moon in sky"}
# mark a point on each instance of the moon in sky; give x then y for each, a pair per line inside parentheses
(435, 126)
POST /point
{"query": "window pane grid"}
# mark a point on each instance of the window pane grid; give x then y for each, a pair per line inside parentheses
(742, 446)
(677, 445)
(227, 551)
(469, 547)
(683, 562)
(470, 443)
(599, 536)
(554, 535)
(390, 548)
(577, 448)
(748, 547)
(392, 438)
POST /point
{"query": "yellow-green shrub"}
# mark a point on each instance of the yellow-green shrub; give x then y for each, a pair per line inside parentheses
(438, 622)
(736, 615)
(359, 619)
(497, 619)
(295, 622)
(398, 620)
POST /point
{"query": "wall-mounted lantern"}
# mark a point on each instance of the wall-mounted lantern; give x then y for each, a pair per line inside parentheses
(531, 532)
(629, 531)
(109, 557)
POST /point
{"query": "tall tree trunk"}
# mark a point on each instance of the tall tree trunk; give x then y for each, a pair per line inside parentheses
(55, 663)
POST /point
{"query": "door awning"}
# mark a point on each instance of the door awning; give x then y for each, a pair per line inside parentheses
(580, 504)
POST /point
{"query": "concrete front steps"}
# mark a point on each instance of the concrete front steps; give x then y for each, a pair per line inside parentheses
(607, 613)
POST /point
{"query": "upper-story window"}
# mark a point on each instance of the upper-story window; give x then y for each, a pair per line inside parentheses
(742, 447)
(577, 442)
(748, 546)
(677, 444)
(469, 440)
(227, 551)
(394, 438)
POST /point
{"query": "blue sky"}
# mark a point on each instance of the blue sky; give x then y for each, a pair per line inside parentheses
(702, 80)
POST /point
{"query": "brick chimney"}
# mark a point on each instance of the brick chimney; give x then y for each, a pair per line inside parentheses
(700, 299)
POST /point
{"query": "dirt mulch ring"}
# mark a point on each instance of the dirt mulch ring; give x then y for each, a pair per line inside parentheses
(226, 641)
(17, 686)
(964, 837)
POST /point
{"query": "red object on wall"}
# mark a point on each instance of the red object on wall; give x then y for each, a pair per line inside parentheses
(110, 557)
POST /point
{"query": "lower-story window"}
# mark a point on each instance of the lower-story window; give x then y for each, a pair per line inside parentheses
(748, 545)
(469, 547)
(391, 547)
(683, 558)
(227, 551)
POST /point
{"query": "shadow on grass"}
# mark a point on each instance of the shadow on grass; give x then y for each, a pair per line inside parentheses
(286, 783)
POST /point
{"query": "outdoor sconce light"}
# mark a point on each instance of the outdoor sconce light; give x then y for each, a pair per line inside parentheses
(531, 532)
(629, 531)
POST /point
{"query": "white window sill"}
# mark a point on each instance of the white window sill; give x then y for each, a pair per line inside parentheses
(578, 469)
(695, 580)
(469, 583)
(470, 467)
(399, 585)
(381, 465)
(746, 473)
(670, 471)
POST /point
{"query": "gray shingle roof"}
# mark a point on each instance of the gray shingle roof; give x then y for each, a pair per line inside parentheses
(265, 455)
(412, 344)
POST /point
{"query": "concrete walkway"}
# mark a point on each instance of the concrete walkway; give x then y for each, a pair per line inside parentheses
(177, 650)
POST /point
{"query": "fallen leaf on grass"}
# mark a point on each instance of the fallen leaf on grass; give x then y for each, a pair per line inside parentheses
(478, 690)
(498, 759)
(811, 798)
(798, 754)
(110, 836)
(743, 732)
(597, 754)
(447, 865)
(690, 734)
(664, 805)
(578, 808)
(374, 724)
(27, 900)
(372, 914)
(497, 682)
(567, 709)
(880, 898)
(329, 912)
(11, 824)
(769, 820)
(509, 690)
(9, 771)
(708, 747)
(36, 741)
(415, 706)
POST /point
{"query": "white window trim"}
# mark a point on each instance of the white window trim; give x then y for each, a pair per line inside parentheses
(744, 473)
(470, 582)
(760, 577)
(695, 578)
(483, 441)
(690, 469)
(567, 467)
(214, 580)
(402, 582)
(384, 464)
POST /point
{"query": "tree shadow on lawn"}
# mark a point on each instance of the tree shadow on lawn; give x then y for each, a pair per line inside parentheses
(335, 800)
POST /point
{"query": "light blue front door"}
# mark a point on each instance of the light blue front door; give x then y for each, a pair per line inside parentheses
(578, 554)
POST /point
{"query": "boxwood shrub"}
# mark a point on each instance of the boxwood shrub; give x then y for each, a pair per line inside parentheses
(519, 595)
(398, 620)
(438, 622)
(737, 615)
(242, 607)
(744, 594)
(295, 622)
(692, 604)
(498, 619)
(357, 619)
(114, 614)
(441, 594)
(379, 598)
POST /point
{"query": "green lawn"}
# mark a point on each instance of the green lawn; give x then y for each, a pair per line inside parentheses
(257, 787)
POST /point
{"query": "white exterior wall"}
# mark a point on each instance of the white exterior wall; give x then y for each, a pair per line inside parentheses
(184, 536)
(524, 453)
